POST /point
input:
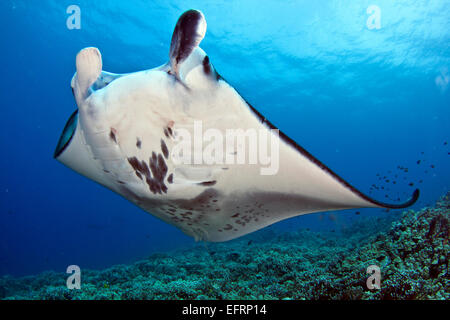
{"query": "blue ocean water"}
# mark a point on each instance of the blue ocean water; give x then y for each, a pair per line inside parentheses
(364, 101)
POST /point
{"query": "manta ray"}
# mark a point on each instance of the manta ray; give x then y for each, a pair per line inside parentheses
(126, 128)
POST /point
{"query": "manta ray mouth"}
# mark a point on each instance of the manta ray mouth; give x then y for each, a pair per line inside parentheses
(67, 134)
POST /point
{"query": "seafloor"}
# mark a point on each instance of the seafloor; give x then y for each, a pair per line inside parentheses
(412, 252)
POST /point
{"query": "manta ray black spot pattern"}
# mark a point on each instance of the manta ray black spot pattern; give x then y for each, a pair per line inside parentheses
(208, 183)
(112, 135)
(155, 178)
(138, 143)
(164, 149)
(170, 178)
(168, 132)
(159, 170)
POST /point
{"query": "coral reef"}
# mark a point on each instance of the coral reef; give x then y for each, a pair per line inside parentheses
(412, 252)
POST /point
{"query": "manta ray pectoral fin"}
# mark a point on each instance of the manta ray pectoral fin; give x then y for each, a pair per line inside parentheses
(361, 200)
(89, 68)
(189, 32)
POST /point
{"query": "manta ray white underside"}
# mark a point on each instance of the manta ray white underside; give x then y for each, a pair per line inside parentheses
(126, 126)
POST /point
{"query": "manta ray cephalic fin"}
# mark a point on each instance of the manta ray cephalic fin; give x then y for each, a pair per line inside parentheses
(89, 68)
(187, 35)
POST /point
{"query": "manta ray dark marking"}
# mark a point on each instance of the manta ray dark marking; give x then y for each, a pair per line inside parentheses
(127, 126)
(164, 149)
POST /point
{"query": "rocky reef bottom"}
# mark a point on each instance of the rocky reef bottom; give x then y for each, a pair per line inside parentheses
(412, 252)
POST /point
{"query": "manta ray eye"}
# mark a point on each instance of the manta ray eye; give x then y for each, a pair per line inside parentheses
(67, 134)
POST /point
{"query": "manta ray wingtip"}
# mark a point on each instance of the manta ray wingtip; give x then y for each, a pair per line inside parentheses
(410, 202)
(415, 196)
